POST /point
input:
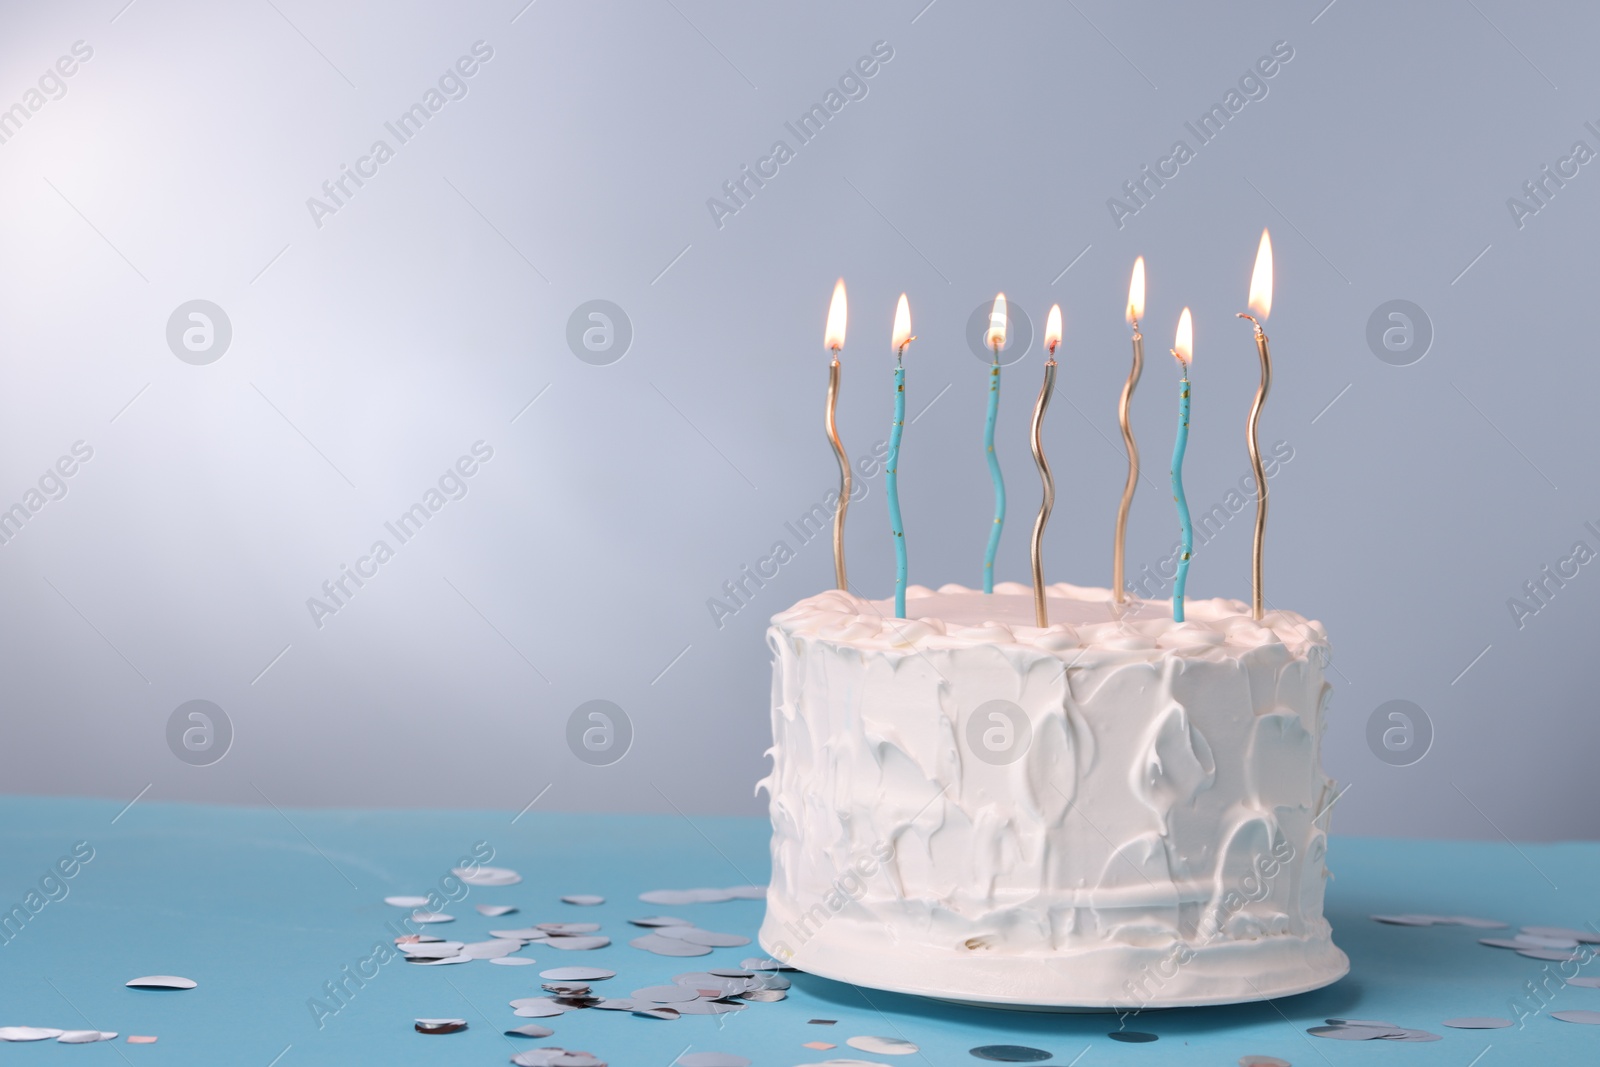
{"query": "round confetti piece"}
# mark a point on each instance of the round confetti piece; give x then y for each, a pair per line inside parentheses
(407, 902)
(1584, 1016)
(432, 949)
(584, 900)
(1351, 1033)
(883, 1046)
(1134, 1037)
(536, 1008)
(577, 974)
(1010, 1053)
(1478, 1022)
(531, 1030)
(513, 961)
(141, 1039)
(673, 897)
(1263, 1061)
(440, 1026)
(86, 1037)
(431, 917)
(28, 1033)
(577, 943)
(161, 981)
(486, 876)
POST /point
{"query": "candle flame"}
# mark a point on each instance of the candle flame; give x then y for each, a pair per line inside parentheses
(996, 337)
(1052, 329)
(1183, 345)
(1136, 292)
(1261, 279)
(833, 336)
(902, 326)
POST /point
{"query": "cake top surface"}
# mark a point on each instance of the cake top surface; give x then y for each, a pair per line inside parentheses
(1081, 619)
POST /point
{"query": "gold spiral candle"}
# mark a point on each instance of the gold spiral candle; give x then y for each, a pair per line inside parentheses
(1052, 338)
(1261, 305)
(1135, 312)
(833, 338)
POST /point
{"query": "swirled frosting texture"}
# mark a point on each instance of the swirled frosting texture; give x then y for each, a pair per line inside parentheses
(1113, 811)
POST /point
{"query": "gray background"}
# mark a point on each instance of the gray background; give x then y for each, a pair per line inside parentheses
(370, 352)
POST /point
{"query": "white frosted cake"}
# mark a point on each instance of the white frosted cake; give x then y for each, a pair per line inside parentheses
(1115, 812)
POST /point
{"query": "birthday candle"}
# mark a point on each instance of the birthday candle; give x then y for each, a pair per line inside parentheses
(1135, 313)
(995, 339)
(1183, 351)
(1261, 304)
(1052, 338)
(833, 339)
(891, 478)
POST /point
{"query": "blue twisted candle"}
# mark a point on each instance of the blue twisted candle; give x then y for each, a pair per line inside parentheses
(891, 482)
(996, 339)
(1183, 352)
(996, 477)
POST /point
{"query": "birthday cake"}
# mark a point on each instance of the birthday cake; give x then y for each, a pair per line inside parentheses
(1117, 811)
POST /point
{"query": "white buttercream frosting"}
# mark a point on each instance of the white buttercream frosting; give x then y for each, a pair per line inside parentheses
(1140, 821)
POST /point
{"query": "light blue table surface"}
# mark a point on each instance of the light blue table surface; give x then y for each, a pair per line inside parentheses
(262, 907)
